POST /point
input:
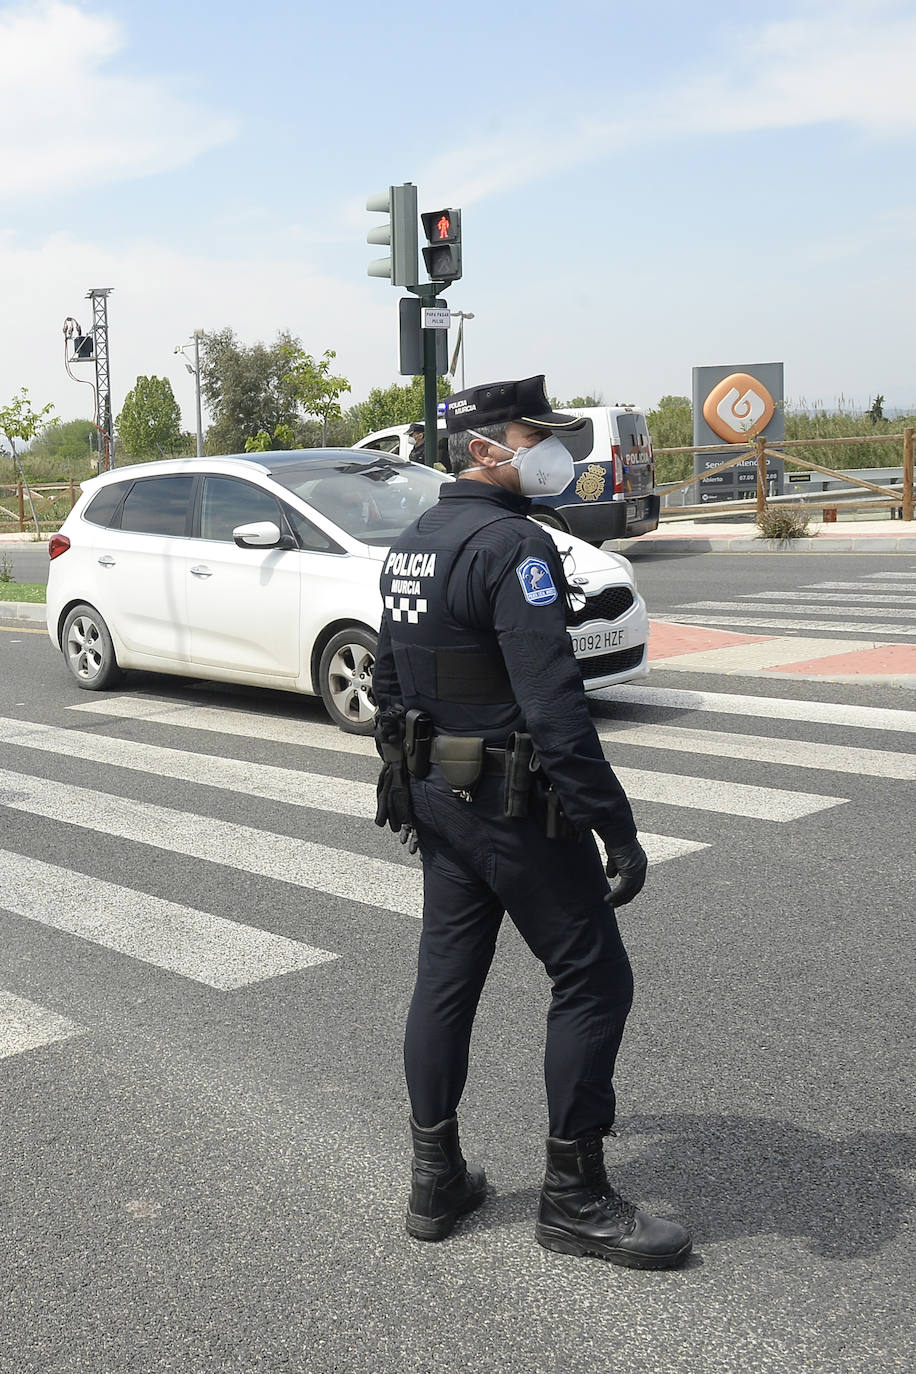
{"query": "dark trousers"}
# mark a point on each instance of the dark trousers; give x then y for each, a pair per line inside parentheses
(477, 864)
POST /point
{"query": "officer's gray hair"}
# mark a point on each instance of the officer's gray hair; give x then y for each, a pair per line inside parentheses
(459, 454)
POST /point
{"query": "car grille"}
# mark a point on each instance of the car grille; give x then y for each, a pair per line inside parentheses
(604, 665)
(606, 605)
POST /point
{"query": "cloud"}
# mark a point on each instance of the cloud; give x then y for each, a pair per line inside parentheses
(67, 120)
(160, 296)
(838, 63)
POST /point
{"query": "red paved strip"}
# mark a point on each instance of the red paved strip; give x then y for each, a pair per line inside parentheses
(884, 658)
(668, 641)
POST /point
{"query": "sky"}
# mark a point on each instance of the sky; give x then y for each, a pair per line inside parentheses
(644, 187)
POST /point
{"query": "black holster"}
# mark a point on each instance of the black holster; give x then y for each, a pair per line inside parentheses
(393, 787)
(521, 767)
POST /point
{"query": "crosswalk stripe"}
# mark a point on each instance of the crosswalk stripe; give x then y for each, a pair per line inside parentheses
(226, 721)
(729, 798)
(902, 576)
(26, 1026)
(359, 799)
(883, 586)
(337, 872)
(787, 753)
(286, 785)
(818, 598)
(195, 944)
(834, 626)
(767, 708)
(775, 603)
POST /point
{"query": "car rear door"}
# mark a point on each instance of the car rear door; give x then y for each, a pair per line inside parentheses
(140, 567)
(243, 603)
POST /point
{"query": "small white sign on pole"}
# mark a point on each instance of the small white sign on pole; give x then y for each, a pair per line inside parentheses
(432, 318)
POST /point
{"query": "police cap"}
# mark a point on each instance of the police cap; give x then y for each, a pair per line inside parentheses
(496, 403)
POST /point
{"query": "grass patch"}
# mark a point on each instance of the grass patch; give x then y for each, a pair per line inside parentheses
(777, 523)
(23, 591)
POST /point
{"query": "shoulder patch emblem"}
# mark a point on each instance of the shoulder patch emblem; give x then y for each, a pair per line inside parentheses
(537, 583)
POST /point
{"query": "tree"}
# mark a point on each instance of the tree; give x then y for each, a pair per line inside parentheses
(19, 421)
(247, 389)
(62, 448)
(316, 389)
(671, 426)
(150, 420)
(395, 405)
(877, 410)
(583, 402)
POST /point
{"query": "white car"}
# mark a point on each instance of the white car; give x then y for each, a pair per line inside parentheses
(263, 569)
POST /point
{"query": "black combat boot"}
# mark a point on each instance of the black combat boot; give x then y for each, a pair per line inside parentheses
(581, 1214)
(442, 1187)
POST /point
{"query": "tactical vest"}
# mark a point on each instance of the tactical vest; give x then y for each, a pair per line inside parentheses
(439, 661)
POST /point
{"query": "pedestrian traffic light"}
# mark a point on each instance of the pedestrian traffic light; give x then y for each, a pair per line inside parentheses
(402, 268)
(442, 254)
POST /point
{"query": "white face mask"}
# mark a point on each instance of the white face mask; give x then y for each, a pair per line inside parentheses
(545, 469)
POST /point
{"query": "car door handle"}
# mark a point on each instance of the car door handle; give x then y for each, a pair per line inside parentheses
(201, 571)
(107, 561)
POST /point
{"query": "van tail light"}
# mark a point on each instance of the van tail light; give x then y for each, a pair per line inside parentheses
(618, 467)
(57, 544)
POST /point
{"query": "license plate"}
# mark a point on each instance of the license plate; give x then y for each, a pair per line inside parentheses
(631, 510)
(599, 639)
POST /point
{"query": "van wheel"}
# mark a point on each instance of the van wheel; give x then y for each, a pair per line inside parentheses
(553, 522)
(88, 650)
(345, 680)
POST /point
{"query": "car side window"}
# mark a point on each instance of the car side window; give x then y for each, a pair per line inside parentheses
(390, 445)
(105, 502)
(227, 503)
(158, 505)
(312, 539)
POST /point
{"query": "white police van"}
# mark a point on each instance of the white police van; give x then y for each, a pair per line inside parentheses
(612, 495)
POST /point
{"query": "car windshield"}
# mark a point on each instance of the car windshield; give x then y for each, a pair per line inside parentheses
(373, 502)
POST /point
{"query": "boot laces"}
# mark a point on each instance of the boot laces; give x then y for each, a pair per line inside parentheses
(614, 1203)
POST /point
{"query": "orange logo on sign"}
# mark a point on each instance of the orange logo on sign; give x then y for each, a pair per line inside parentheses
(737, 406)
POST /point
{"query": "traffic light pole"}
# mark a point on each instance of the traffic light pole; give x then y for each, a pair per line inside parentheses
(428, 293)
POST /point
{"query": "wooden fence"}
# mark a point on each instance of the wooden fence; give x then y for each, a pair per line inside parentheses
(901, 498)
(14, 505)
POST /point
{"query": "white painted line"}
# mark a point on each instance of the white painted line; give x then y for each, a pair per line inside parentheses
(786, 753)
(902, 576)
(337, 872)
(832, 626)
(729, 798)
(286, 785)
(818, 598)
(26, 1026)
(767, 708)
(661, 848)
(883, 586)
(775, 604)
(208, 949)
(217, 720)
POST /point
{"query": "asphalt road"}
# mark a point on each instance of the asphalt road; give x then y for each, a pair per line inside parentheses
(199, 1176)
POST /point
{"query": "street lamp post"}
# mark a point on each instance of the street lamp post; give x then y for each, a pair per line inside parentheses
(195, 373)
(462, 315)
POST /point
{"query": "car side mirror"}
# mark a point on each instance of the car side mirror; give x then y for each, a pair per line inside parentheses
(262, 534)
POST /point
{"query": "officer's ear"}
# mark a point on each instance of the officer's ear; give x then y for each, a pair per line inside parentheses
(479, 450)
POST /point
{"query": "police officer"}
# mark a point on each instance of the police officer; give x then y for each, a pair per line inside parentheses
(415, 434)
(474, 646)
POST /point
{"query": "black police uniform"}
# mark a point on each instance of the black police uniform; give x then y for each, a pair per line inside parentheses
(474, 633)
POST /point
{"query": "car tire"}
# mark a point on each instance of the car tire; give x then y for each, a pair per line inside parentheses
(88, 650)
(345, 679)
(553, 522)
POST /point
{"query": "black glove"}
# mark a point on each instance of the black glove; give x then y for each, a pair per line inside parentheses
(628, 864)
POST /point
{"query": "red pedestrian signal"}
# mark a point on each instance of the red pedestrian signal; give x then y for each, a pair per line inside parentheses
(442, 254)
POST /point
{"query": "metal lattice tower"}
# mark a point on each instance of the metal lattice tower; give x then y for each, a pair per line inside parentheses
(99, 297)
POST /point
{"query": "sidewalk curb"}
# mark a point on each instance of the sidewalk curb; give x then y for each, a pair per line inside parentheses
(866, 544)
(23, 610)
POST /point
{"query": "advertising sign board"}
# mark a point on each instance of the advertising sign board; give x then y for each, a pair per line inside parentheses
(732, 404)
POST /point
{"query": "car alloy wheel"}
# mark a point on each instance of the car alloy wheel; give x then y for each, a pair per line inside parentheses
(88, 650)
(345, 680)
